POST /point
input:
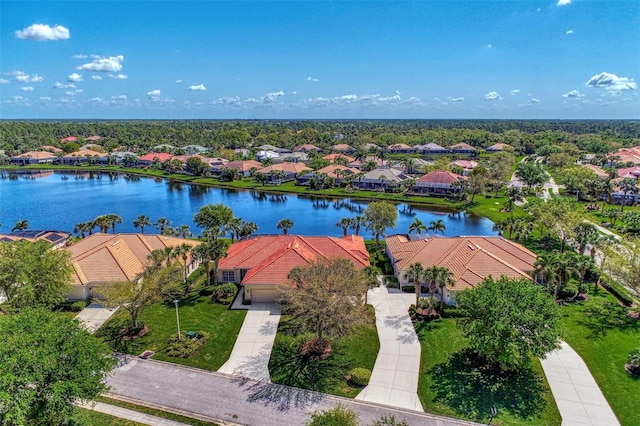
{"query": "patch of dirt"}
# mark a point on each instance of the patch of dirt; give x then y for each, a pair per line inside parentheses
(132, 334)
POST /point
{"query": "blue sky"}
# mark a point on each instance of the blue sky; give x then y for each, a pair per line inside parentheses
(304, 59)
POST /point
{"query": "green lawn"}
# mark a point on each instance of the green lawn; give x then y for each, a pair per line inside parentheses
(359, 349)
(195, 315)
(155, 412)
(453, 384)
(84, 416)
(604, 346)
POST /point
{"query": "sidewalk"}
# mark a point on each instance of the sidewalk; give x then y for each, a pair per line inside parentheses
(394, 379)
(93, 316)
(127, 414)
(252, 350)
(577, 394)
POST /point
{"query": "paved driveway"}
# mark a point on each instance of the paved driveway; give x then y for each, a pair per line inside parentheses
(394, 379)
(252, 350)
(93, 316)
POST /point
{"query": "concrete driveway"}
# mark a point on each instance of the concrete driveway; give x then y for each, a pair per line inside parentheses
(252, 350)
(394, 379)
(93, 316)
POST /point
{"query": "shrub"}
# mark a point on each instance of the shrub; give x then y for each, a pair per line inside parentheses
(360, 376)
(568, 291)
(186, 346)
(408, 289)
(73, 306)
(339, 416)
(633, 364)
(392, 281)
(224, 292)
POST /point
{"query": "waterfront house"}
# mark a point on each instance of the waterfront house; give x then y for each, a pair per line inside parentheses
(80, 157)
(470, 259)
(33, 157)
(381, 180)
(57, 239)
(261, 264)
(153, 157)
(278, 173)
(244, 167)
(337, 172)
(462, 148)
(438, 182)
(101, 259)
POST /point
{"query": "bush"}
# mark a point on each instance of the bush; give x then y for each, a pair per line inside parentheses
(224, 292)
(391, 281)
(73, 306)
(568, 291)
(633, 364)
(186, 346)
(360, 376)
(339, 416)
(408, 289)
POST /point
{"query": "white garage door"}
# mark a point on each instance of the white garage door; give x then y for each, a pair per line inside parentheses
(263, 295)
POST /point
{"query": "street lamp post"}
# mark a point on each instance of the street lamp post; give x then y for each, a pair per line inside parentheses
(175, 302)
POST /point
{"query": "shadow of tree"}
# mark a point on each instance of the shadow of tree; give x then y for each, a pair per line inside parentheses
(288, 367)
(470, 387)
(111, 333)
(602, 316)
(282, 398)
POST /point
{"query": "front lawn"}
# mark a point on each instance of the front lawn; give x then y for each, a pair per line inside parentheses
(84, 416)
(453, 384)
(196, 314)
(604, 341)
(287, 367)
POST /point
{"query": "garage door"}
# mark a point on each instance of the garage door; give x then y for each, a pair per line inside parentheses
(263, 295)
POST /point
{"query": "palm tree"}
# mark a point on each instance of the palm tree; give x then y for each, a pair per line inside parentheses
(585, 234)
(83, 228)
(557, 270)
(247, 228)
(344, 223)
(627, 186)
(285, 225)
(444, 280)
(357, 223)
(418, 226)
(141, 221)
(20, 225)
(210, 252)
(113, 219)
(431, 278)
(103, 223)
(162, 223)
(606, 191)
(514, 195)
(182, 253)
(437, 226)
(582, 264)
(415, 273)
(233, 227)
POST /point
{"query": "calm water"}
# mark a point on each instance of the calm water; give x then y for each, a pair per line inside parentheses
(60, 200)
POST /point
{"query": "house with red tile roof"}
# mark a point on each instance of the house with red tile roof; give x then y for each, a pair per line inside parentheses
(470, 259)
(149, 159)
(332, 158)
(93, 138)
(307, 147)
(499, 147)
(629, 172)
(33, 157)
(335, 171)
(462, 148)
(438, 182)
(69, 139)
(244, 167)
(50, 148)
(261, 264)
(627, 155)
(342, 147)
(466, 165)
(101, 259)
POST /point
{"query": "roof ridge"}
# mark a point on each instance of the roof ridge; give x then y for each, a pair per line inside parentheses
(124, 259)
(96, 248)
(504, 262)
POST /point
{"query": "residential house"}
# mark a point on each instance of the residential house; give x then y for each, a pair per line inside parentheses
(69, 139)
(343, 148)
(597, 170)
(194, 149)
(277, 173)
(462, 148)
(470, 259)
(337, 172)
(244, 167)
(57, 239)
(401, 148)
(34, 157)
(91, 147)
(294, 157)
(498, 147)
(80, 157)
(245, 153)
(466, 165)
(629, 173)
(438, 182)
(380, 164)
(118, 157)
(627, 155)
(266, 154)
(50, 148)
(307, 147)
(381, 180)
(101, 259)
(94, 138)
(332, 158)
(152, 157)
(431, 148)
(261, 264)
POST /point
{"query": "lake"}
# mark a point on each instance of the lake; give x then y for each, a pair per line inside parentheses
(59, 200)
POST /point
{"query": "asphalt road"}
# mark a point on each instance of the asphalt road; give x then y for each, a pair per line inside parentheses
(232, 400)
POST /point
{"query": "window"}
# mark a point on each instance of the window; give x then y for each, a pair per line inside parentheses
(228, 276)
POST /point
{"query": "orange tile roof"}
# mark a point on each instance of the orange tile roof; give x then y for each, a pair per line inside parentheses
(38, 155)
(332, 157)
(499, 146)
(285, 167)
(462, 145)
(244, 165)
(471, 259)
(113, 258)
(84, 153)
(597, 170)
(162, 156)
(440, 176)
(331, 170)
(270, 258)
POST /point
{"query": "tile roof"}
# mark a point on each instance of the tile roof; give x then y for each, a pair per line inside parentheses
(270, 258)
(331, 170)
(597, 170)
(462, 145)
(306, 147)
(471, 259)
(120, 257)
(439, 176)
(499, 146)
(244, 165)
(162, 156)
(84, 153)
(465, 164)
(37, 155)
(285, 167)
(629, 172)
(332, 157)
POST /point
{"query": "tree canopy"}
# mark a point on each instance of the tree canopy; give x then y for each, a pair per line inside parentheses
(380, 215)
(507, 321)
(47, 363)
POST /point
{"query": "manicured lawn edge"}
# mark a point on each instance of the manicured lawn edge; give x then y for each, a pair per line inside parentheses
(152, 410)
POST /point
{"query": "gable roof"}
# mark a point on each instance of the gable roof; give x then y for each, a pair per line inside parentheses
(270, 258)
(162, 156)
(471, 259)
(285, 167)
(498, 146)
(431, 146)
(465, 164)
(37, 155)
(114, 258)
(388, 175)
(332, 157)
(440, 176)
(597, 170)
(244, 165)
(462, 145)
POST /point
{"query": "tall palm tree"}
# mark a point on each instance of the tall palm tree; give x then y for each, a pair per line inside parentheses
(162, 223)
(418, 226)
(627, 186)
(234, 227)
(182, 253)
(247, 228)
(415, 273)
(113, 219)
(184, 232)
(141, 221)
(357, 223)
(103, 223)
(210, 252)
(20, 225)
(431, 278)
(285, 225)
(444, 280)
(582, 264)
(344, 223)
(585, 234)
(514, 195)
(606, 191)
(557, 270)
(437, 226)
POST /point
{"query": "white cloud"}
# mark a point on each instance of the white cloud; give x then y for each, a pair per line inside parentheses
(27, 89)
(4, 81)
(227, 101)
(80, 56)
(42, 32)
(563, 2)
(611, 82)
(534, 101)
(492, 96)
(154, 93)
(315, 80)
(23, 77)
(349, 98)
(73, 92)
(293, 92)
(96, 77)
(489, 46)
(460, 99)
(197, 87)
(178, 81)
(272, 97)
(98, 99)
(119, 76)
(573, 94)
(119, 98)
(59, 85)
(75, 77)
(569, 32)
(103, 64)
(45, 98)
(514, 92)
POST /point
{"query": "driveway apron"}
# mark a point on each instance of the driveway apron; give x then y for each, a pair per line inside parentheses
(394, 379)
(252, 350)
